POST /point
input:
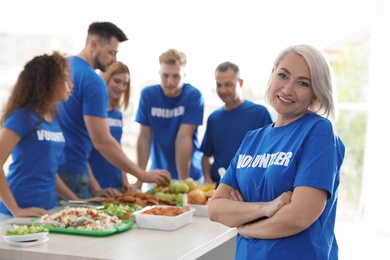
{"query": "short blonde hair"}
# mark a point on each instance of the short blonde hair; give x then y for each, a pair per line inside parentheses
(173, 57)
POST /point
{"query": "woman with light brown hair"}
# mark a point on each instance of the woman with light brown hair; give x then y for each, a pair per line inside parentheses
(106, 180)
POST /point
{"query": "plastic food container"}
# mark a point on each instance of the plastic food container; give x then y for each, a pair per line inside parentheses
(201, 210)
(162, 222)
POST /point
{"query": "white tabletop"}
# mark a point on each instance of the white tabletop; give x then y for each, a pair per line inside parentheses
(188, 242)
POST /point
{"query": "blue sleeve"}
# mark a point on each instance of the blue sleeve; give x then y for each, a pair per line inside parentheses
(18, 122)
(318, 164)
(206, 146)
(95, 98)
(142, 109)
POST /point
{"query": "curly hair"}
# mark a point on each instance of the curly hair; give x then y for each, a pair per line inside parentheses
(39, 85)
(118, 68)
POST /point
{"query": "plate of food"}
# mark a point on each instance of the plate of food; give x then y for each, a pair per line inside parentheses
(26, 235)
(29, 237)
(84, 221)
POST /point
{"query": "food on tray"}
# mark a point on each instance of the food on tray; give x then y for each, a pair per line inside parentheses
(25, 230)
(164, 217)
(173, 193)
(83, 219)
(166, 211)
(121, 210)
(132, 198)
(207, 187)
(178, 187)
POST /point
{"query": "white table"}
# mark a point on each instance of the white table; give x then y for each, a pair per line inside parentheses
(195, 240)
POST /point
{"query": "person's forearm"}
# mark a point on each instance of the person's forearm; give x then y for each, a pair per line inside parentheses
(183, 153)
(6, 195)
(235, 213)
(280, 225)
(125, 181)
(290, 216)
(143, 152)
(206, 167)
(93, 183)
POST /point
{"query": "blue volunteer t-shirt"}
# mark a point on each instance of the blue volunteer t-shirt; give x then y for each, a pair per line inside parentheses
(165, 115)
(89, 98)
(225, 130)
(270, 161)
(106, 174)
(32, 173)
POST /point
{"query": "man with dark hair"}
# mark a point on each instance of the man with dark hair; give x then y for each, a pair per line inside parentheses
(105, 30)
(84, 116)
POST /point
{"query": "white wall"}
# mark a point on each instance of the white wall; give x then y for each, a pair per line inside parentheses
(377, 161)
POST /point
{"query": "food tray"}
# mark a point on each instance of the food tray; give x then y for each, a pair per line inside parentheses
(167, 223)
(126, 224)
(201, 210)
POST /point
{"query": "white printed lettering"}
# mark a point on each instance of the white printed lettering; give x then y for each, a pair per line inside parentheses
(44, 135)
(264, 160)
(114, 122)
(167, 113)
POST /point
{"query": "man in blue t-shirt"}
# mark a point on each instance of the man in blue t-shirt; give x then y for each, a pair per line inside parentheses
(169, 114)
(227, 126)
(83, 117)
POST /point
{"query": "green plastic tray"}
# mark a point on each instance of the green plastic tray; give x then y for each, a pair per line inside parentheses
(126, 224)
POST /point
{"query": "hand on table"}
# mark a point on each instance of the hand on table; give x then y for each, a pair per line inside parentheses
(29, 212)
(108, 192)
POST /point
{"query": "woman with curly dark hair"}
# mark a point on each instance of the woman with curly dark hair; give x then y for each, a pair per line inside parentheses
(30, 131)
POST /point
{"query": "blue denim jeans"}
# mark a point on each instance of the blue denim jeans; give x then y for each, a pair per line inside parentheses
(78, 183)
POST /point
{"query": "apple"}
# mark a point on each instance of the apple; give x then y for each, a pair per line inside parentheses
(160, 195)
(170, 197)
(173, 186)
(182, 188)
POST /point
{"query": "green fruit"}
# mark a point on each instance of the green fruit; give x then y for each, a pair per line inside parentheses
(160, 195)
(179, 198)
(182, 188)
(173, 186)
(170, 197)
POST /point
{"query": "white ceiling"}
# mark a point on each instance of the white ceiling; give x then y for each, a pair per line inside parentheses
(248, 32)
